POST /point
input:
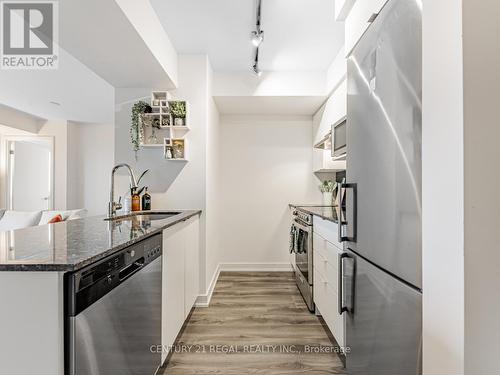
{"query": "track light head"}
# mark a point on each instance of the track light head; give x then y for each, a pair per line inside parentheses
(256, 70)
(257, 37)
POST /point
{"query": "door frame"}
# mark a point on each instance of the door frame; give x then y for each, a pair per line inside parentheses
(6, 168)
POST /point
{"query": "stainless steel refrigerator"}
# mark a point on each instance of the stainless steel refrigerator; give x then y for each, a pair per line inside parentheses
(381, 267)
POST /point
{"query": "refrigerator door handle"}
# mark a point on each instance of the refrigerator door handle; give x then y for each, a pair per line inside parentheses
(343, 221)
(341, 306)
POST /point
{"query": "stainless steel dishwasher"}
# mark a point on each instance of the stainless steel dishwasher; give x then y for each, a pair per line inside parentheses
(113, 311)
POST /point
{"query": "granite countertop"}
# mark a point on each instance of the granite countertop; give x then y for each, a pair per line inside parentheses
(325, 212)
(71, 245)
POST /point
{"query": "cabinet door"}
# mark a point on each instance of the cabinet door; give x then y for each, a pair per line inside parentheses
(358, 20)
(174, 243)
(192, 268)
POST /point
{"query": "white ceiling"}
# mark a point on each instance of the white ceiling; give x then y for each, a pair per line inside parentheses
(300, 35)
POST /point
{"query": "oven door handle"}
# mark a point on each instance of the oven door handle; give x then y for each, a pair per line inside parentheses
(303, 227)
(293, 240)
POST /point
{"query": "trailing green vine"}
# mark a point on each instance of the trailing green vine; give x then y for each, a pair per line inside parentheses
(135, 134)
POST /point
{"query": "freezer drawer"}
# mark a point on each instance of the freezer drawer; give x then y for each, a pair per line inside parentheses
(383, 320)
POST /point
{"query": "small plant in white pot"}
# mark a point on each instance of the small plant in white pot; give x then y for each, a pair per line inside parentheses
(178, 112)
(327, 188)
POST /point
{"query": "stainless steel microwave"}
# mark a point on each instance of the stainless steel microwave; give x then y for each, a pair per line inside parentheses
(339, 139)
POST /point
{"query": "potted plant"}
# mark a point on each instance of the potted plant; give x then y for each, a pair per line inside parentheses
(327, 188)
(138, 109)
(178, 112)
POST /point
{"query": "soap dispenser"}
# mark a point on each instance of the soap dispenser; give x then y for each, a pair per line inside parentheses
(146, 201)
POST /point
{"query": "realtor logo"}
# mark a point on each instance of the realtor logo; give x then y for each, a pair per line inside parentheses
(29, 35)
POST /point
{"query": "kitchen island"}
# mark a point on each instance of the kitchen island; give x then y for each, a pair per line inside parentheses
(35, 260)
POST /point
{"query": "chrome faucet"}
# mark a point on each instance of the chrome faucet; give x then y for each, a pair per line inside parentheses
(114, 206)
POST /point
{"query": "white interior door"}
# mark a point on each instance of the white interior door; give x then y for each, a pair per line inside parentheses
(30, 173)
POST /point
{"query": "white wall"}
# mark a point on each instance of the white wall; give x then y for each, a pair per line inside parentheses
(145, 20)
(213, 197)
(482, 178)
(18, 121)
(59, 130)
(90, 160)
(265, 165)
(173, 185)
(442, 189)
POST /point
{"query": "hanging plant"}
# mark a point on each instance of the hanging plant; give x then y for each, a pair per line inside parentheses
(138, 109)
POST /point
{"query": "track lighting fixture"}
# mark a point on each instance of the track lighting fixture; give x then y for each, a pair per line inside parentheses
(257, 37)
(255, 66)
(256, 70)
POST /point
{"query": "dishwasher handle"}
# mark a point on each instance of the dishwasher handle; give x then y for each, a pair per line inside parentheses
(128, 271)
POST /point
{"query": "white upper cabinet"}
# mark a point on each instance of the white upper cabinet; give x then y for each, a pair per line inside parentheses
(334, 109)
(342, 9)
(358, 20)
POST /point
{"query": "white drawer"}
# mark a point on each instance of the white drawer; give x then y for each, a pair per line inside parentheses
(322, 246)
(328, 230)
(328, 271)
(326, 301)
(328, 252)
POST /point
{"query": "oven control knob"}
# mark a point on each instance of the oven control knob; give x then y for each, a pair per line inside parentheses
(132, 253)
(110, 279)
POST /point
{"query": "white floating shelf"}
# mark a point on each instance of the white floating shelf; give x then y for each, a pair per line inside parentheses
(174, 136)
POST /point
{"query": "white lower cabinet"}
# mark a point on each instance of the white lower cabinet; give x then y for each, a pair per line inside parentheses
(191, 264)
(180, 278)
(326, 277)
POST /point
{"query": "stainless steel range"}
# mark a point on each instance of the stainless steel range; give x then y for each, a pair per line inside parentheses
(301, 244)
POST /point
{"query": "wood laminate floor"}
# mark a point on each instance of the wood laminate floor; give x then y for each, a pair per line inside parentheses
(257, 323)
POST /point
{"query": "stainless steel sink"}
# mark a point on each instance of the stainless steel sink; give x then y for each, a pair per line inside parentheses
(146, 215)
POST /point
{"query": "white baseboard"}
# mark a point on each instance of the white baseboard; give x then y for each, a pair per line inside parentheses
(255, 267)
(203, 300)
